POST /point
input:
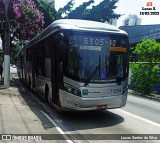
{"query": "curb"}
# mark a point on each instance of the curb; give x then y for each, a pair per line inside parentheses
(144, 96)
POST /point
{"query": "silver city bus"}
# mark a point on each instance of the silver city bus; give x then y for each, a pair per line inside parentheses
(77, 65)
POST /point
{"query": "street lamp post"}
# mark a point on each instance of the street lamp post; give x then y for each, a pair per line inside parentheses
(7, 46)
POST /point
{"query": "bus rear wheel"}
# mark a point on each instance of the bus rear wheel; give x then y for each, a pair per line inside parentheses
(49, 99)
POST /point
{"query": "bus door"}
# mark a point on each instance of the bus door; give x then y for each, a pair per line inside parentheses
(33, 58)
(60, 63)
(58, 66)
(54, 75)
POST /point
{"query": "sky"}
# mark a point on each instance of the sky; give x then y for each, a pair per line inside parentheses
(126, 7)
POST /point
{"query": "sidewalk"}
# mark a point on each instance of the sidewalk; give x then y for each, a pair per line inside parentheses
(21, 114)
(153, 97)
(15, 114)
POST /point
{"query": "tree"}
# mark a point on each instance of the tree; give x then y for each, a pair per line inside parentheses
(80, 11)
(25, 19)
(145, 73)
(14, 52)
(48, 10)
(102, 12)
(65, 10)
(21, 20)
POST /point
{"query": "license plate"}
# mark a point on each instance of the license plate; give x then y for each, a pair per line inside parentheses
(100, 107)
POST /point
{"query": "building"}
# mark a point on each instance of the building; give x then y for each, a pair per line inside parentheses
(113, 22)
(139, 32)
(131, 20)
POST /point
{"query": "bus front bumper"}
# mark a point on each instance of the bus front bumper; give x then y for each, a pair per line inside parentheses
(72, 102)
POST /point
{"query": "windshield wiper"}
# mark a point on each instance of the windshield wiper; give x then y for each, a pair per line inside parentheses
(93, 73)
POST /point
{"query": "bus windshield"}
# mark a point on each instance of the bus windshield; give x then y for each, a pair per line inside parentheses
(97, 57)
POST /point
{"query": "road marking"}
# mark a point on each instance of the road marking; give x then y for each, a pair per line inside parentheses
(20, 85)
(146, 100)
(58, 128)
(54, 124)
(140, 118)
(52, 121)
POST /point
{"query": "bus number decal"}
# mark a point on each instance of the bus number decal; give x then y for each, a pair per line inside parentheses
(113, 42)
(94, 41)
(85, 41)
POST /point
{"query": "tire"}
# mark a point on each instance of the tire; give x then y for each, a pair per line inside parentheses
(48, 98)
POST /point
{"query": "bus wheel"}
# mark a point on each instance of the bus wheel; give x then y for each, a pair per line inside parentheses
(48, 98)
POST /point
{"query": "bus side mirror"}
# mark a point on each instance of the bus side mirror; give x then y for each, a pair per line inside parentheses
(59, 38)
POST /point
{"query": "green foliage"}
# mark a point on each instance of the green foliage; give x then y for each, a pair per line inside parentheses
(148, 51)
(145, 71)
(102, 12)
(65, 10)
(81, 11)
(48, 10)
(14, 52)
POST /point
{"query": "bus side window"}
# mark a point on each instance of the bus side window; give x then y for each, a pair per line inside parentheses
(40, 59)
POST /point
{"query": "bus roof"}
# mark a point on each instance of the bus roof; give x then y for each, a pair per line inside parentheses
(85, 24)
(75, 24)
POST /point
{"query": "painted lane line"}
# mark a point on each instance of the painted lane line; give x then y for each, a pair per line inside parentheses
(58, 128)
(140, 118)
(20, 85)
(51, 120)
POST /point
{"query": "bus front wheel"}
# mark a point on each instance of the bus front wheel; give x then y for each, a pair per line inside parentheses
(49, 99)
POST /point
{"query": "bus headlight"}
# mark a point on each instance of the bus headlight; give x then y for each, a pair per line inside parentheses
(72, 90)
(69, 89)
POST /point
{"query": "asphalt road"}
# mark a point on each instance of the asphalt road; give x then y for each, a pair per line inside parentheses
(140, 117)
(146, 108)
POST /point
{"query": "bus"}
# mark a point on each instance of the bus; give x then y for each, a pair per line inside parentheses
(77, 65)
